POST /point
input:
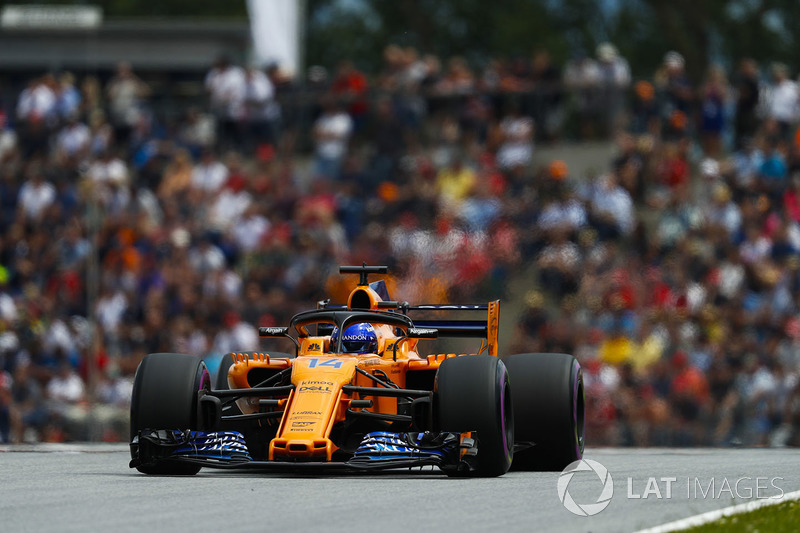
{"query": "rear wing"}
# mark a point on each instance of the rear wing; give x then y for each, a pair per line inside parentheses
(478, 329)
(375, 296)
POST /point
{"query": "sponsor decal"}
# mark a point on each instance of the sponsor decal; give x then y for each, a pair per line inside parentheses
(313, 415)
(356, 337)
(316, 382)
(315, 362)
(302, 425)
(314, 388)
(315, 347)
(423, 332)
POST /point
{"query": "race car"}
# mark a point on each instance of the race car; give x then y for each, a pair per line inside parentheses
(361, 393)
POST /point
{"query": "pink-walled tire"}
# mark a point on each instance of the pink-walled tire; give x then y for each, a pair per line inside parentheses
(548, 410)
(472, 393)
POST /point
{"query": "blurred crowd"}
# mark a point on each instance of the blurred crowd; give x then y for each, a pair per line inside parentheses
(672, 274)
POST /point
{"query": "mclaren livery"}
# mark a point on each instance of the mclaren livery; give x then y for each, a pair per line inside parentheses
(361, 393)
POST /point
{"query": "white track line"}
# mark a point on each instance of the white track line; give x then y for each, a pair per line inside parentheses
(710, 516)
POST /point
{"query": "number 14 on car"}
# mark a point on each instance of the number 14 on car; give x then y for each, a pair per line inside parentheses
(315, 362)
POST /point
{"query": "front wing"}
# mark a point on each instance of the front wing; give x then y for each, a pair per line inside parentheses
(452, 452)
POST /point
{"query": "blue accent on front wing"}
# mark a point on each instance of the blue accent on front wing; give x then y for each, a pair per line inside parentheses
(384, 446)
(226, 445)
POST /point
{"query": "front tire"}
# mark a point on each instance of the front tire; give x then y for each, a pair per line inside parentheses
(472, 393)
(165, 392)
(548, 410)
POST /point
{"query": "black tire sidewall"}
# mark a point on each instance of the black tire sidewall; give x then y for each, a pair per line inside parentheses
(549, 409)
(164, 396)
(472, 393)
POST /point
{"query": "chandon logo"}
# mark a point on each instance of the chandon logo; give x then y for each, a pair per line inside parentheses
(355, 337)
(585, 509)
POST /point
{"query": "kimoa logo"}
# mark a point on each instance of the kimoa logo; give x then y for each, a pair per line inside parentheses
(585, 509)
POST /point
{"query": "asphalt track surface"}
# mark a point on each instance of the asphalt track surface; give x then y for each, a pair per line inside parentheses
(90, 488)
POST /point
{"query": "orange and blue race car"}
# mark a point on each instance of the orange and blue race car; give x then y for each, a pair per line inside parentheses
(361, 393)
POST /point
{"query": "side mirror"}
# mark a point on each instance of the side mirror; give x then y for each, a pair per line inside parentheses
(273, 331)
(415, 333)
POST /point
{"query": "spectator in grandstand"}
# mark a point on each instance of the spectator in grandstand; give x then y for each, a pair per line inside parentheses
(91, 97)
(8, 137)
(73, 141)
(481, 208)
(724, 215)
(644, 109)
(36, 195)
(454, 182)
(226, 85)
(198, 132)
(614, 79)
(205, 257)
(177, 177)
(332, 132)
(66, 394)
(548, 95)
(560, 264)
(582, 80)
(108, 176)
(101, 134)
(611, 209)
(457, 79)
(37, 114)
(127, 95)
(515, 136)
(715, 95)
(562, 209)
(350, 87)
(29, 413)
(209, 175)
(748, 93)
(392, 70)
(783, 103)
(746, 164)
(676, 94)
(261, 111)
(231, 201)
(68, 97)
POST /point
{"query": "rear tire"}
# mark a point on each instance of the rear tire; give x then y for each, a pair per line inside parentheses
(548, 410)
(165, 397)
(472, 393)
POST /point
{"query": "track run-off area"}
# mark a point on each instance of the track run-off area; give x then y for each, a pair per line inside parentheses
(90, 488)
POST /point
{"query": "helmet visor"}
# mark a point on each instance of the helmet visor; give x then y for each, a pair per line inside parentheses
(359, 346)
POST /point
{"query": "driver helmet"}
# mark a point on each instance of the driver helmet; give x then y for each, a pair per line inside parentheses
(358, 338)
